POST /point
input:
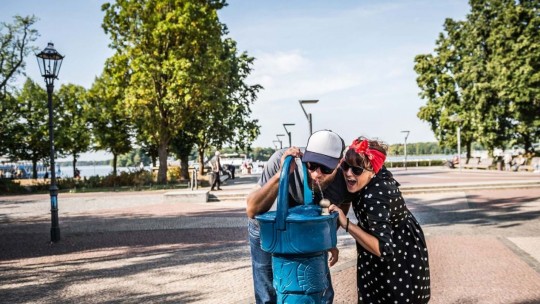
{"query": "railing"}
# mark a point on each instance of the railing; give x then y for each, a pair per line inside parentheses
(415, 163)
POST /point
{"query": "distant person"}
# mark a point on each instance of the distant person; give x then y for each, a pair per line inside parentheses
(216, 169)
(392, 259)
(77, 174)
(46, 175)
(518, 162)
(454, 162)
(507, 162)
(231, 169)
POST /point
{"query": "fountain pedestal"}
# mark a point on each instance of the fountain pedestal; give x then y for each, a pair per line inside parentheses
(298, 239)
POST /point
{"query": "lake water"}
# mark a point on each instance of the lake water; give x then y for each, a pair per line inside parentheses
(87, 171)
(104, 170)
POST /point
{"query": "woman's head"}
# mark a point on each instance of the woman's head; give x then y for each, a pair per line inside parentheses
(362, 161)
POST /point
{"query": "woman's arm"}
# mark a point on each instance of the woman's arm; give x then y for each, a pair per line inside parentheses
(368, 241)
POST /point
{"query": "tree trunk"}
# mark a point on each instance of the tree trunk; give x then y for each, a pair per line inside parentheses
(527, 143)
(184, 166)
(74, 166)
(115, 158)
(162, 153)
(468, 144)
(34, 168)
(201, 162)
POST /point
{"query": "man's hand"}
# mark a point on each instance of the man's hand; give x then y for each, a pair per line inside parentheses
(295, 152)
(333, 256)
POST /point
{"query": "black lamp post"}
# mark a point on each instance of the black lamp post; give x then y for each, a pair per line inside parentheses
(308, 115)
(280, 141)
(50, 61)
(288, 133)
(405, 147)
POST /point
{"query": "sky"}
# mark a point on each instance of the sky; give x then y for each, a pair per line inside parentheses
(355, 57)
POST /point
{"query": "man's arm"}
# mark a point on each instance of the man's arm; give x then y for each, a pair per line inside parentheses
(263, 197)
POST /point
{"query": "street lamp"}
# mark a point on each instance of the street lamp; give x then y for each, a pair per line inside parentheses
(308, 116)
(50, 61)
(287, 131)
(280, 141)
(406, 135)
(456, 118)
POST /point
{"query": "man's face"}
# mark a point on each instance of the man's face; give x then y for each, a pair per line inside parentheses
(320, 175)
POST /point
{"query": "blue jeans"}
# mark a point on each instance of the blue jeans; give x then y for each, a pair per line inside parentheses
(261, 263)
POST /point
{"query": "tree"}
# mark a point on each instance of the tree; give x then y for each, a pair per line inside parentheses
(227, 119)
(440, 83)
(516, 38)
(486, 71)
(169, 47)
(14, 47)
(29, 132)
(111, 124)
(15, 40)
(75, 137)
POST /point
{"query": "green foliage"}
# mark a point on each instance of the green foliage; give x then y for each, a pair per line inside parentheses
(262, 154)
(420, 148)
(107, 115)
(184, 80)
(168, 50)
(27, 133)
(74, 121)
(134, 158)
(15, 45)
(485, 71)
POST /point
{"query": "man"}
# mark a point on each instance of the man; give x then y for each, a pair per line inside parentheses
(322, 155)
(216, 168)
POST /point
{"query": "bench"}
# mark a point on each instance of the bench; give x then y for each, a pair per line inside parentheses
(473, 162)
(533, 165)
(485, 163)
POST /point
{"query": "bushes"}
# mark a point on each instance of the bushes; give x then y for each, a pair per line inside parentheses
(8, 186)
(135, 180)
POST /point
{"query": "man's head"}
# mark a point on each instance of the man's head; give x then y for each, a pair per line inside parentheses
(322, 155)
(217, 153)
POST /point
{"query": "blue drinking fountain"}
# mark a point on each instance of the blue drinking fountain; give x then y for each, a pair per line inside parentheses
(298, 239)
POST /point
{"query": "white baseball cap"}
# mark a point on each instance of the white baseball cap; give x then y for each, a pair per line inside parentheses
(324, 147)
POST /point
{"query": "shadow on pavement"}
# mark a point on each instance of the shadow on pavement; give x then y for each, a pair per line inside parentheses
(506, 212)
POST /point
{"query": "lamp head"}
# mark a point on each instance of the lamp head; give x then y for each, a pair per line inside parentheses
(50, 62)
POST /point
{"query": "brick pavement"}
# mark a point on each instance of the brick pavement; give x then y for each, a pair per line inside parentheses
(134, 247)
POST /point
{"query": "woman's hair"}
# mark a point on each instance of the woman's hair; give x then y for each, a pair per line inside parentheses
(356, 159)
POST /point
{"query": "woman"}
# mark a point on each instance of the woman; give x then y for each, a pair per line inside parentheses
(392, 263)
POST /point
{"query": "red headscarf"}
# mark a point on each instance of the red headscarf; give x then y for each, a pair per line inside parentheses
(376, 157)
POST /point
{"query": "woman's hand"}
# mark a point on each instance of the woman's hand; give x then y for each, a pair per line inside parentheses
(333, 256)
(342, 218)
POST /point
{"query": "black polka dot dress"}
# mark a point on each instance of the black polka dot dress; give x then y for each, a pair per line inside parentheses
(401, 274)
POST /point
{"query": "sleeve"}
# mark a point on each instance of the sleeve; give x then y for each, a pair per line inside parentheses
(271, 168)
(378, 212)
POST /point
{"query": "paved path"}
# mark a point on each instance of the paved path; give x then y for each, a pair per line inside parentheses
(133, 247)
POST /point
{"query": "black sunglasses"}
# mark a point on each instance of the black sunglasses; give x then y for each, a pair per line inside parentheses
(355, 170)
(315, 166)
